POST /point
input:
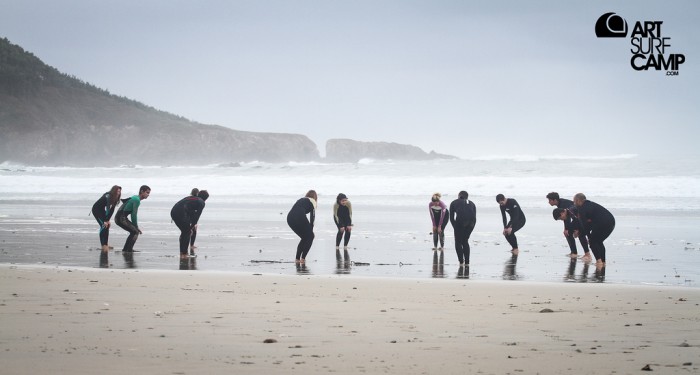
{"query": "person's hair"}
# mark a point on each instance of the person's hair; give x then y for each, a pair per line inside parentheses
(114, 195)
(194, 192)
(463, 195)
(553, 196)
(500, 197)
(312, 194)
(203, 194)
(436, 197)
(144, 188)
(557, 213)
(579, 197)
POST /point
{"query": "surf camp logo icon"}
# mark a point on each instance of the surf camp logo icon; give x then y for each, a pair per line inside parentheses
(649, 46)
(610, 25)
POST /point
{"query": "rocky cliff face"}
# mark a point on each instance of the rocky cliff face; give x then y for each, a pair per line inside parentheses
(349, 151)
(48, 118)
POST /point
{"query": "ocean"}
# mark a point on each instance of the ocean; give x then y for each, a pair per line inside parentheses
(44, 217)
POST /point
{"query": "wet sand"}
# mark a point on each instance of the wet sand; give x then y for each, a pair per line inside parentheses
(63, 320)
(659, 248)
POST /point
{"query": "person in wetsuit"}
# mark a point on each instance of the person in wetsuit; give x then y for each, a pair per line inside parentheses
(102, 211)
(517, 220)
(193, 236)
(597, 222)
(439, 215)
(185, 214)
(342, 215)
(303, 227)
(131, 207)
(463, 219)
(572, 227)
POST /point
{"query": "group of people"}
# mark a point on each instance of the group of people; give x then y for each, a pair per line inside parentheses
(303, 226)
(588, 221)
(185, 214)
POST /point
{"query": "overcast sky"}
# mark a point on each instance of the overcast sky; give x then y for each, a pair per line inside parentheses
(464, 78)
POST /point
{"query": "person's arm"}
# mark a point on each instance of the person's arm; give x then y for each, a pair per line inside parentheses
(349, 206)
(503, 216)
(443, 209)
(432, 215)
(196, 212)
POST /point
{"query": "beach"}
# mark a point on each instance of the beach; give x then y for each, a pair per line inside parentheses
(392, 305)
(63, 320)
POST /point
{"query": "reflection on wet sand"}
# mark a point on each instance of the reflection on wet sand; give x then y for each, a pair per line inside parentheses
(509, 272)
(104, 259)
(343, 266)
(597, 276)
(302, 269)
(438, 264)
(129, 259)
(463, 272)
(188, 264)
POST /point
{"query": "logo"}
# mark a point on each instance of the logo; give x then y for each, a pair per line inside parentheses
(650, 48)
(610, 25)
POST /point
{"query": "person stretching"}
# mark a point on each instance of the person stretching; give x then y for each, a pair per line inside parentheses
(131, 207)
(572, 227)
(303, 227)
(517, 220)
(439, 215)
(185, 214)
(463, 220)
(102, 211)
(342, 215)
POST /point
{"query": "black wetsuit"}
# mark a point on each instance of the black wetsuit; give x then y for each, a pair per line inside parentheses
(185, 214)
(517, 220)
(463, 220)
(102, 211)
(572, 224)
(342, 215)
(303, 227)
(598, 223)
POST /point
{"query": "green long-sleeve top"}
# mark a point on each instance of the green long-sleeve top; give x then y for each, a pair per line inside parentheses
(132, 207)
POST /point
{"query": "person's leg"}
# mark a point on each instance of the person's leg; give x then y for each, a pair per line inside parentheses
(128, 226)
(307, 241)
(468, 229)
(512, 239)
(185, 232)
(435, 239)
(584, 245)
(104, 233)
(442, 234)
(459, 243)
(600, 233)
(193, 236)
(339, 236)
(572, 244)
(295, 226)
(346, 241)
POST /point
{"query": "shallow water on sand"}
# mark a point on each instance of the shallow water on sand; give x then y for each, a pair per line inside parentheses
(647, 247)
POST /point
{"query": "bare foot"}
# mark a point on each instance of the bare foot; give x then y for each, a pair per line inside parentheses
(515, 251)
